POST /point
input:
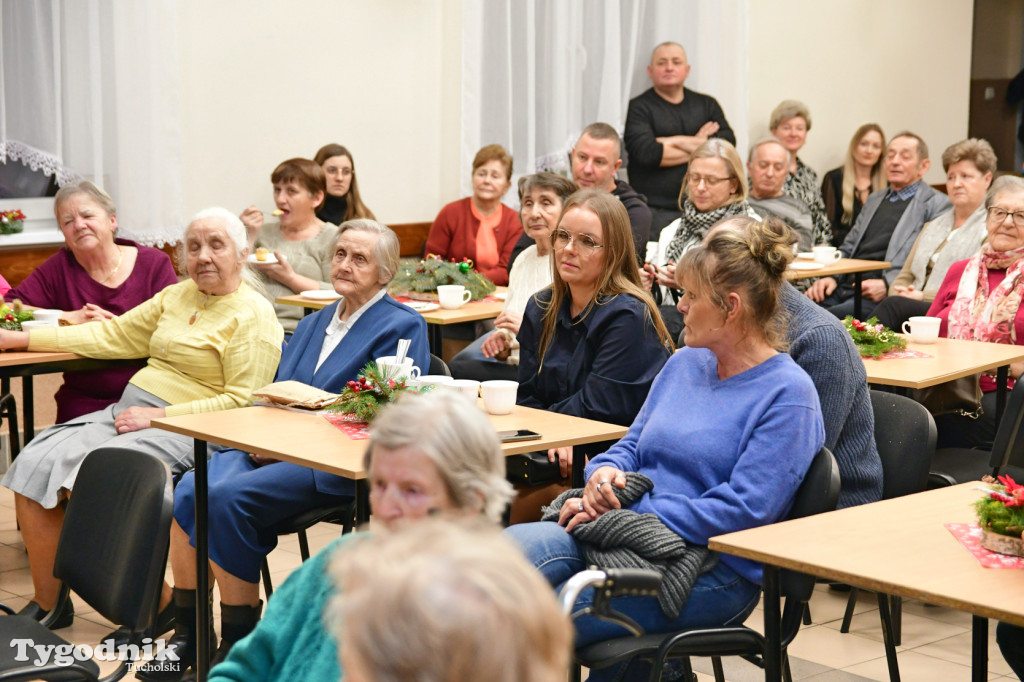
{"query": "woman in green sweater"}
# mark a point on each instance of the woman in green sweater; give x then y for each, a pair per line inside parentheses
(429, 454)
(211, 341)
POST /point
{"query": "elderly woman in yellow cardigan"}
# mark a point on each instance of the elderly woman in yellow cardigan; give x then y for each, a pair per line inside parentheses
(211, 341)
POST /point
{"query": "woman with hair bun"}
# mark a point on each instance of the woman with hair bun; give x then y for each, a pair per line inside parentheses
(724, 440)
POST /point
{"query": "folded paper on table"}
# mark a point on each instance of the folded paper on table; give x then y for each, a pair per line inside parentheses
(295, 394)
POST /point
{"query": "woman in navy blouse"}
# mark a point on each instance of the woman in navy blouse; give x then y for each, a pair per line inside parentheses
(592, 343)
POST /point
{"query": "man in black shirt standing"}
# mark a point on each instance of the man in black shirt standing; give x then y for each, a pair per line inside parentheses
(886, 228)
(663, 127)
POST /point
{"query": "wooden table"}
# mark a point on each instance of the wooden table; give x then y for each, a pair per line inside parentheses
(951, 359)
(843, 266)
(26, 364)
(436, 319)
(899, 547)
(312, 441)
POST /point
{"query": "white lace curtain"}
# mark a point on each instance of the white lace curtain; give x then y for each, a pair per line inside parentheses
(89, 89)
(536, 72)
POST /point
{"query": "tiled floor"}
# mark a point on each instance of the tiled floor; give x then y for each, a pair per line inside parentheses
(936, 641)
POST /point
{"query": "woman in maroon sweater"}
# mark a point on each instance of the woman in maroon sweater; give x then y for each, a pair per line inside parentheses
(980, 300)
(95, 277)
(456, 232)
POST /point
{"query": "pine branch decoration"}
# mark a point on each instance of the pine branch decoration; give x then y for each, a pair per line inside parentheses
(364, 397)
(425, 276)
(871, 338)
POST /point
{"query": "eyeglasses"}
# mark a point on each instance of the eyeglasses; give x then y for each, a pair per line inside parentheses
(998, 215)
(709, 181)
(561, 238)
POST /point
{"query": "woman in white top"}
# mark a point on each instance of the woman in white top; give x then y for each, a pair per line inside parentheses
(495, 355)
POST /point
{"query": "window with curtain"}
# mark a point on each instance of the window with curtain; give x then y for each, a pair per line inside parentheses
(536, 72)
(89, 90)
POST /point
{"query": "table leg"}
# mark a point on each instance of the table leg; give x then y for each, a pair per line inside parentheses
(772, 624)
(307, 311)
(979, 649)
(1002, 376)
(435, 337)
(888, 638)
(28, 409)
(857, 307)
(203, 615)
(362, 501)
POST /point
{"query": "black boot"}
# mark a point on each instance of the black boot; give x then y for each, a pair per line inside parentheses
(164, 623)
(235, 623)
(60, 616)
(182, 644)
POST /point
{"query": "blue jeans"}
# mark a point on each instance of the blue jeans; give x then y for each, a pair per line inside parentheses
(719, 597)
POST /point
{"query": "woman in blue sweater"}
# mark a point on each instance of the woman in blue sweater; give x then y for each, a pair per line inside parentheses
(249, 496)
(721, 444)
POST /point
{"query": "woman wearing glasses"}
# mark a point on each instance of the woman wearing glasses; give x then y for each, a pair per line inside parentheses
(980, 300)
(592, 343)
(714, 188)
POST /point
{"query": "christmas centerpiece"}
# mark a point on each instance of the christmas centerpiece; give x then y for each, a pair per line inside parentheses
(872, 339)
(364, 397)
(1001, 516)
(13, 314)
(419, 280)
(11, 222)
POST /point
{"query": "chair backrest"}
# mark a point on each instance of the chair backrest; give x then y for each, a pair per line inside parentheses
(438, 366)
(905, 435)
(113, 545)
(1008, 446)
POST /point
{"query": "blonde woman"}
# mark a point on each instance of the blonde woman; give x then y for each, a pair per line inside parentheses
(845, 189)
(790, 122)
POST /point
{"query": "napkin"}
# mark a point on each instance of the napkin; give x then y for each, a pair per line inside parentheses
(295, 394)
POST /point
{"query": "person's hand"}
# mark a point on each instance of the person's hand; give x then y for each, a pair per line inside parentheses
(821, 289)
(598, 495)
(708, 129)
(137, 418)
(281, 271)
(666, 275)
(252, 218)
(573, 513)
(496, 346)
(260, 460)
(90, 312)
(13, 340)
(647, 275)
(510, 320)
(564, 456)
(874, 289)
(909, 292)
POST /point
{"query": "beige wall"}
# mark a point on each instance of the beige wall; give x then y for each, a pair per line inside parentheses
(904, 64)
(262, 81)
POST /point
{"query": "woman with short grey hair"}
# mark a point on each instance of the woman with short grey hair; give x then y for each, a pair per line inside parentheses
(430, 454)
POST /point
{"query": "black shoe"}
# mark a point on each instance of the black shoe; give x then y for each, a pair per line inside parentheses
(61, 616)
(183, 644)
(164, 623)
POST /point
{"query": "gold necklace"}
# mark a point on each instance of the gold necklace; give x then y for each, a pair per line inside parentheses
(120, 258)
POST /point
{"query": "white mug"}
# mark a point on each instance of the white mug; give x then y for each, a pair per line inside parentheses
(471, 387)
(452, 296)
(392, 370)
(826, 254)
(47, 315)
(436, 380)
(37, 324)
(922, 329)
(499, 395)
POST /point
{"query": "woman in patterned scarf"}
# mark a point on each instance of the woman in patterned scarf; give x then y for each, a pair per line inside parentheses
(790, 122)
(714, 188)
(980, 300)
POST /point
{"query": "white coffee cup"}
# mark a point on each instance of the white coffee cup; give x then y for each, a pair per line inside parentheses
(47, 315)
(471, 387)
(452, 296)
(922, 329)
(436, 380)
(499, 395)
(826, 254)
(36, 324)
(392, 370)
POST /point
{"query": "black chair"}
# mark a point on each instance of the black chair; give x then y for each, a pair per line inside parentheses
(438, 366)
(112, 551)
(905, 435)
(960, 465)
(9, 413)
(341, 514)
(818, 493)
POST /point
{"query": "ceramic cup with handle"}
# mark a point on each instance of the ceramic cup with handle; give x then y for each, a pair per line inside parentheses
(826, 254)
(471, 387)
(391, 369)
(499, 395)
(452, 296)
(922, 329)
(47, 315)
